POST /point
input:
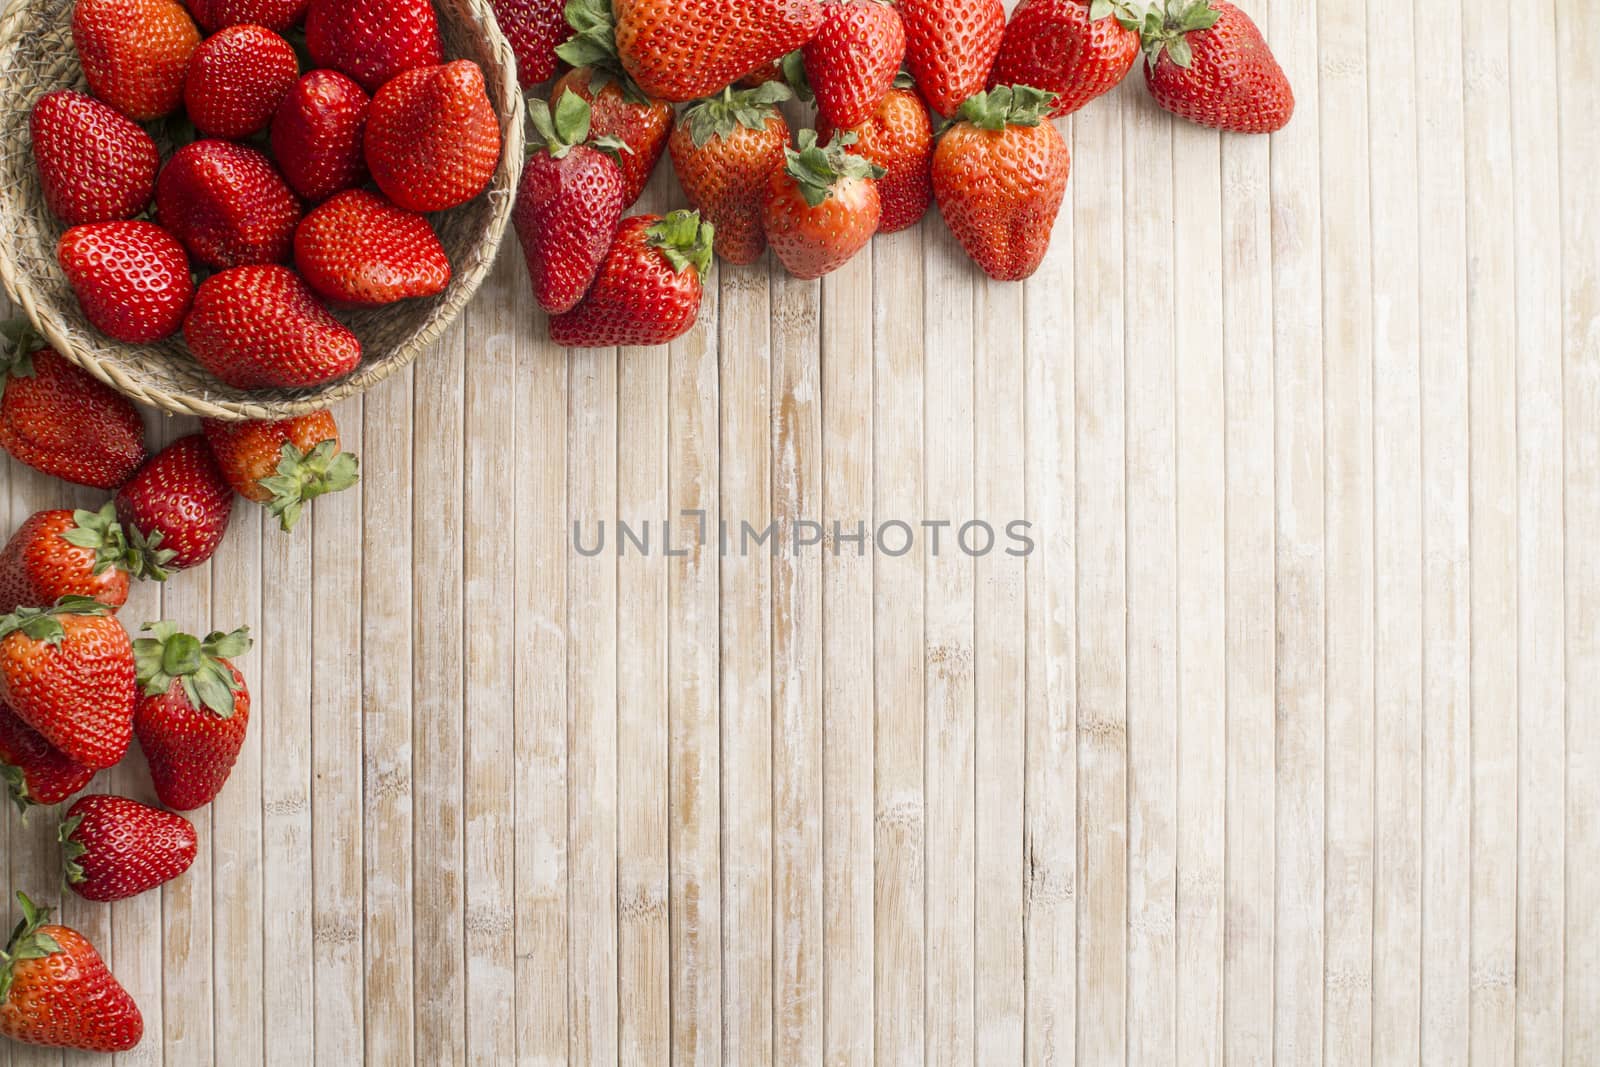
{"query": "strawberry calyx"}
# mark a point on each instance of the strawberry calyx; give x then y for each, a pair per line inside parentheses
(593, 44)
(146, 559)
(174, 656)
(304, 476)
(44, 624)
(685, 239)
(1166, 29)
(21, 341)
(719, 116)
(16, 780)
(1007, 105)
(101, 533)
(72, 850)
(27, 943)
(816, 169)
(558, 132)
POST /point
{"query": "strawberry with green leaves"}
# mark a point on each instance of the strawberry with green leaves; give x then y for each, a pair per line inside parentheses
(359, 250)
(131, 279)
(899, 138)
(432, 140)
(35, 771)
(135, 53)
(228, 204)
(64, 553)
(649, 288)
(852, 61)
(319, 133)
(283, 464)
(822, 206)
(950, 47)
(681, 50)
(1077, 49)
(113, 848)
(179, 502)
(237, 79)
(724, 150)
(374, 41)
(263, 328)
(1206, 61)
(55, 990)
(193, 711)
(95, 164)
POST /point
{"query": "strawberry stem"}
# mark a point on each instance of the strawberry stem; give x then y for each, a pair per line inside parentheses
(817, 169)
(26, 943)
(304, 476)
(685, 239)
(174, 656)
(719, 116)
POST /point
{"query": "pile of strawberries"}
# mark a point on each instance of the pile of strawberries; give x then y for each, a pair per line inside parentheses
(273, 169)
(877, 159)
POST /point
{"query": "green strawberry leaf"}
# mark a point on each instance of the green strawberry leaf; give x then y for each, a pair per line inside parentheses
(199, 667)
(304, 476)
(100, 533)
(685, 239)
(816, 169)
(717, 117)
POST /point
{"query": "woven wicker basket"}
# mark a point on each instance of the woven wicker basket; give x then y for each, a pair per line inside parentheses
(37, 56)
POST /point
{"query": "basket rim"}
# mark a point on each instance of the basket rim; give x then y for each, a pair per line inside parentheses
(509, 105)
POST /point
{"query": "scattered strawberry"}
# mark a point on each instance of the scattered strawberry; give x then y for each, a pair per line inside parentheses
(724, 151)
(283, 464)
(94, 164)
(319, 134)
(67, 671)
(649, 289)
(569, 204)
(131, 278)
(227, 204)
(822, 207)
(360, 250)
(276, 15)
(432, 140)
(63, 553)
(680, 50)
(619, 111)
(373, 41)
(55, 990)
(534, 28)
(852, 61)
(135, 53)
(263, 328)
(58, 419)
(113, 848)
(179, 503)
(1077, 49)
(950, 46)
(36, 773)
(899, 138)
(193, 711)
(1206, 61)
(237, 79)
(1000, 175)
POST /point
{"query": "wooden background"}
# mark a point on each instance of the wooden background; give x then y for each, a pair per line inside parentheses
(1282, 745)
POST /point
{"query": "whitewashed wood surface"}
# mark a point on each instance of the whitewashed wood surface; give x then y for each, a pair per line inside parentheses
(1281, 747)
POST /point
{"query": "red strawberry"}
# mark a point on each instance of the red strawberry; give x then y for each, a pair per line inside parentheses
(898, 138)
(433, 141)
(36, 773)
(113, 848)
(1077, 49)
(617, 110)
(237, 79)
(374, 41)
(179, 502)
(135, 53)
(57, 554)
(283, 464)
(679, 50)
(57, 419)
(319, 134)
(950, 46)
(1206, 61)
(55, 990)
(67, 671)
(569, 205)
(852, 61)
(263, 328)
(649, 289)
(534, 28)
(193, 712)
(228, 204)
(724, 151)
(94, 164)
(275, 15)
(1000, 174)
(360, 250)
(822, 207)
(131, 278)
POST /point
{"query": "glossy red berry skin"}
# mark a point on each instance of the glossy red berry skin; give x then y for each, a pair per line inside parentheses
(318, 132)
(228, 204)
(237, 79)
(191, 751)
(182, 495)
(95, 165)
(118, 848)
(131, 279)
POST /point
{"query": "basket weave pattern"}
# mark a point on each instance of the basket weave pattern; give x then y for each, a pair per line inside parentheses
(37, 57)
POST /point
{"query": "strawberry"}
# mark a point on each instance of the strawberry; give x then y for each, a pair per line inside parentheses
(724, 151)
(1206, 61)
(950, 46)
(227, 204)
(131, 278)
(63, 553)
(283, 464)
(94, 164)
(319, 132)
(534, 28)
(193, 711)
(276, 15)
(67, 671)
(373, 41)
(178, 503)
(619, 111)
(649, 289)
(263, 328)
(135, 53)
(899, 138)
(822, 207)
(569, 205)
(679, 50)
(113, 848)
(36, 774)
(1077, 49)
(433, 141)
(852, 61)
(55, 990)
(1000, 174)
(362, 251)
(58, 419)
(237, 79)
